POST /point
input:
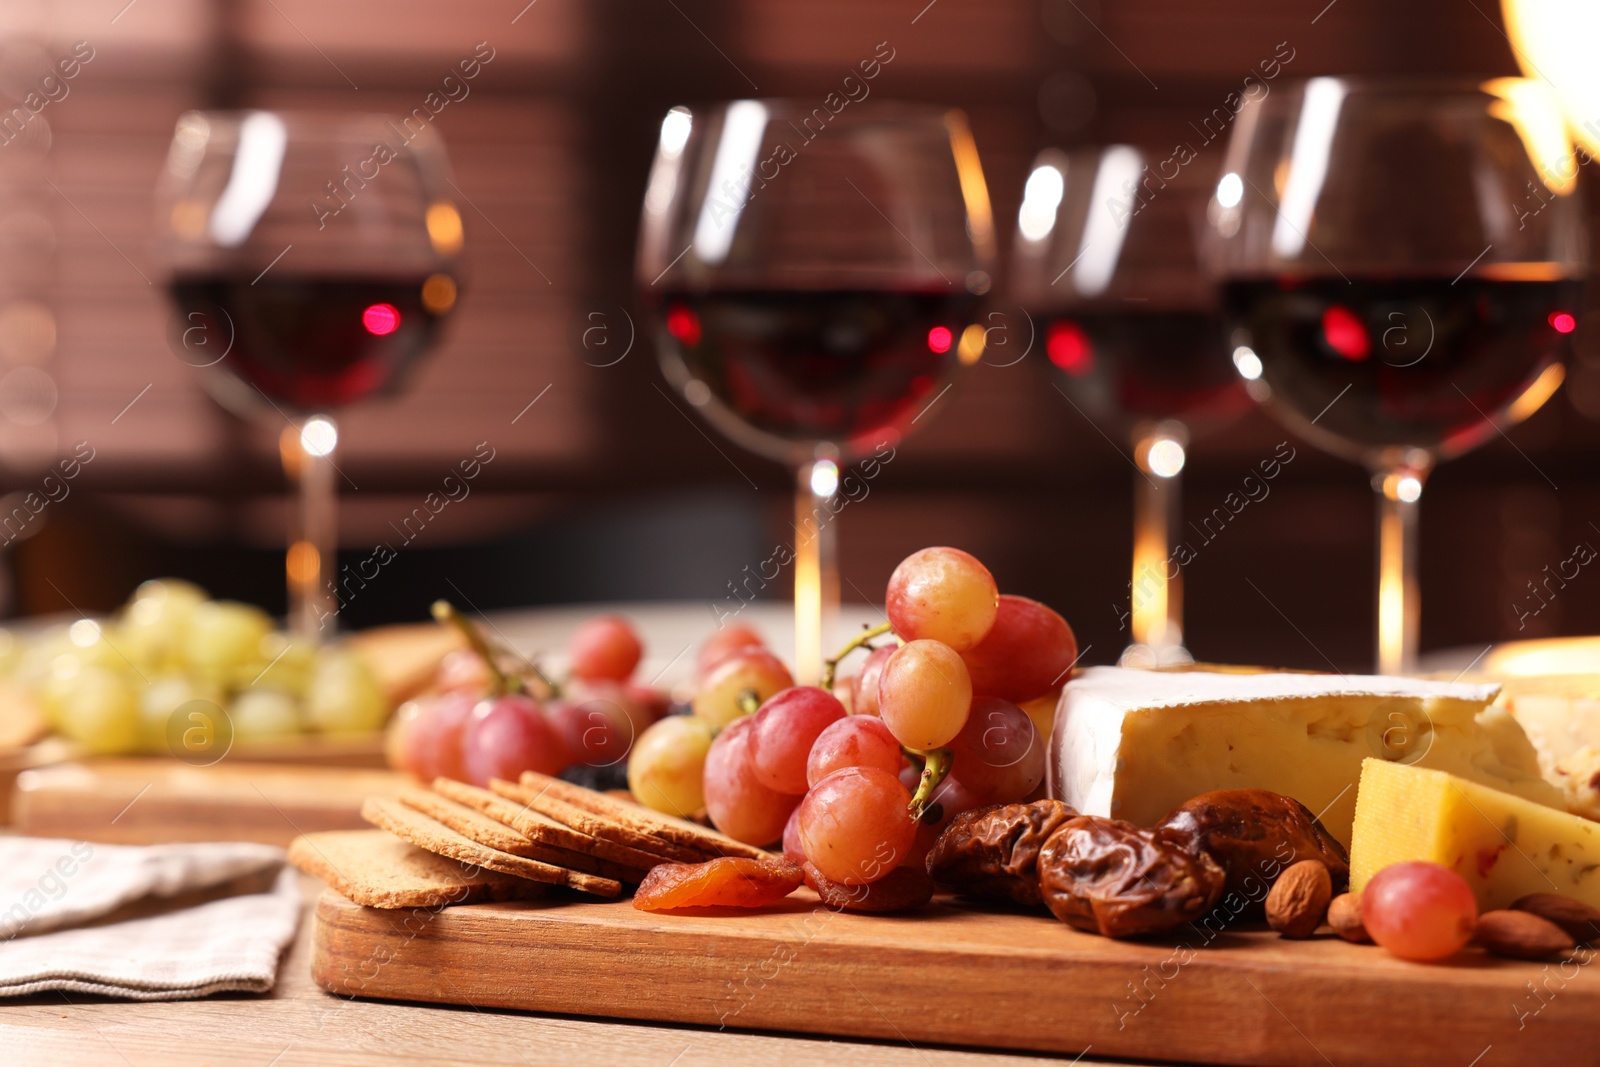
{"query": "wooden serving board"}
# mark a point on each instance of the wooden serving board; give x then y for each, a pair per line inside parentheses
(954, 975)
(134, 801)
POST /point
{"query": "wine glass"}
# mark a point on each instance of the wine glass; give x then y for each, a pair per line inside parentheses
(1106, 262)
(310, 259)
(1401, 265)
(813, 277)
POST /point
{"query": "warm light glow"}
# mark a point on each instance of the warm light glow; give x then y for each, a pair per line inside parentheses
(1554, 41)
(1107, 225)
(1557, 655)
(940, 339)
(675, 129)
(1247, 362)
(1534, 111)
(1040, 199)
(1165, 458)
(381, 319)
(824, 478)
(1069, 348)
(303, 564)
(1533, 397)
(1308, 165)
(439, 293)
(444, 228)
(1563, 321)
(684, 325)
(807, 599)
(1230, 190)
(319, 437)
(1408, 488)
(969, 171)
(1345, 334)
(970, 349)
(84, 632)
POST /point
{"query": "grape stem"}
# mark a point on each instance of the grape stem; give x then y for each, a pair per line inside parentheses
(501, 682)
(935, 766)
(749, 701)
(830, 666)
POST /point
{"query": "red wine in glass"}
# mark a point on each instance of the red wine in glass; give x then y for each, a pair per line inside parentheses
(1375, 362)
(1125, 365)
(818, 365)
(312, 343)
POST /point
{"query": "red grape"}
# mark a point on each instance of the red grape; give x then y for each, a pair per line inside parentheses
(1419, 910)
(430, 740)
(999, 753)
(463, 670)
(597, 729)
(757, 669)
(720, 644)
(791, 837)
(854, 741)
(737, 802)
(655, 703)
(854, 825)
(924, 694)
(604, 647)
(508, 735)
(1026, 654)
(864, 687)
(787, 725)
(943, 594)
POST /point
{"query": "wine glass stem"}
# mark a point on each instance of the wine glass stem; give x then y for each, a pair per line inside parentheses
(1399, 488)
(311, 561)
(1156, 589)
(816, 568)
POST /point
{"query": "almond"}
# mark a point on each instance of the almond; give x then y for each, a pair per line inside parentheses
(1579, 920)
(1344, 915)
(1521, 935)
(1299, 899)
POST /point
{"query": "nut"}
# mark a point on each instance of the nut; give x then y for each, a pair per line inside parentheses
(1521, 935)
(1579, 920)
(1344, 915)
(1299, 899)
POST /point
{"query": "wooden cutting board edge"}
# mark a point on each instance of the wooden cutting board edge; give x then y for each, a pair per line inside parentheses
(1002, 981)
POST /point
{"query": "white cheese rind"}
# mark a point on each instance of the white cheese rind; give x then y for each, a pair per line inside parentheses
(1134, 744)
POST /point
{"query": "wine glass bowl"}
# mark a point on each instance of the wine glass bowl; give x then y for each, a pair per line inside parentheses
(1400, 264)
(813, 276)
(1107, 264)
(310, 259)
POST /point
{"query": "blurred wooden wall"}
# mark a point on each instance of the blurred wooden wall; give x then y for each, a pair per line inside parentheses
(551, 150)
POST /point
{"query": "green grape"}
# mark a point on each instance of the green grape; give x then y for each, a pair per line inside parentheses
(154, 627)
(164, 695)
(342, 696)
(97, 708)
(224, 634)
(260, 714)
(282, 662)
(666, 769)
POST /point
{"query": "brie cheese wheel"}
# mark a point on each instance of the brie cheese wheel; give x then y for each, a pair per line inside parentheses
(1134, 744)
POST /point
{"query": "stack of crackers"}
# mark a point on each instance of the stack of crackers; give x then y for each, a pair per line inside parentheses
(456, 843)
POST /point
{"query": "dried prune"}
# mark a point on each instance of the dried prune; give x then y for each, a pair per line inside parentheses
(901, 889)
(1121, 880)
(992, 853)
(725, 882)
(1256, 834)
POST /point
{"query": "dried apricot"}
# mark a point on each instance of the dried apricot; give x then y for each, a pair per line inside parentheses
(725, 882)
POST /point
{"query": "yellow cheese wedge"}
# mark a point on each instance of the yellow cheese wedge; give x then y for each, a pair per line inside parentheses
(1504, 846)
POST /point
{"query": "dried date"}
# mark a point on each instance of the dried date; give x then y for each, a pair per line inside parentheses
(992, 853)
(725, 882)
(1121, 880)
(1255, 834)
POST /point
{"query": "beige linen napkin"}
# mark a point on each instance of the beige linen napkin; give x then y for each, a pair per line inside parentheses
(231, 942)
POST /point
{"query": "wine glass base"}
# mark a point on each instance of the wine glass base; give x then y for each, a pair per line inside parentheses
(1150, 657)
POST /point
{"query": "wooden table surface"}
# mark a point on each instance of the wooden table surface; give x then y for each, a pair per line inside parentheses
(299, 1024)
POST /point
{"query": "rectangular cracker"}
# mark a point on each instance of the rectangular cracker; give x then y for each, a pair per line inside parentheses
(379, 870)
(644, 820)
(429, 833)
(541, 828)
(471, 823)
(596, 826)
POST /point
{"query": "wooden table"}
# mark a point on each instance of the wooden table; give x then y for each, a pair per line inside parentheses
(299, 1024)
